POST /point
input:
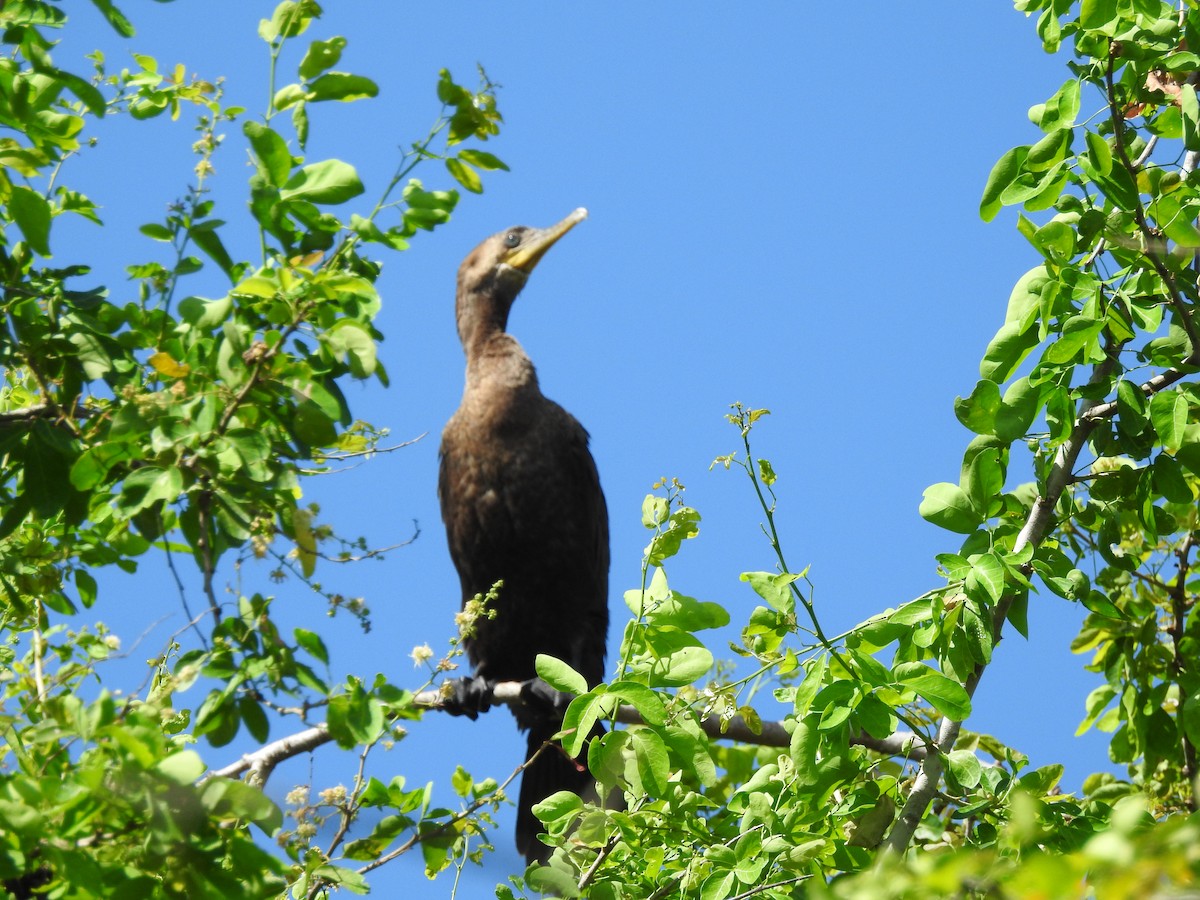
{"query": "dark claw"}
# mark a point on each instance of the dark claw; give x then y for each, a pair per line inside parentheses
(537, 694)
(469, 697)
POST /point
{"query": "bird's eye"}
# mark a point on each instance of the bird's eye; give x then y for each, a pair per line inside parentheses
(512, 239)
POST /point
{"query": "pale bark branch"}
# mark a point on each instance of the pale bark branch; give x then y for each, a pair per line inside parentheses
(261, 763)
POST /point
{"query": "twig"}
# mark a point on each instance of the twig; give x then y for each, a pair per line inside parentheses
(476, 805)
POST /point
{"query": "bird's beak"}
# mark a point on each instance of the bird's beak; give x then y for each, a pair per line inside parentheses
(536, 243)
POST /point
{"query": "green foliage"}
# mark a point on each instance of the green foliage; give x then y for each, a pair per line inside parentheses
(186, 424)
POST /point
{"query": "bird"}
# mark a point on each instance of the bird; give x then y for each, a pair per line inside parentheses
(522, 504)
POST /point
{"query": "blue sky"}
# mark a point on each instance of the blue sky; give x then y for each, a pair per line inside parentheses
(783, 209)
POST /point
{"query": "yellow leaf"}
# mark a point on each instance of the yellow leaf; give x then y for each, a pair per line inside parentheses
(165, 364)
(306, 544)
(309, 259)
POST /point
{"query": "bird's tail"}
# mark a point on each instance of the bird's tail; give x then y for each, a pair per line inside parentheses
(552, 771)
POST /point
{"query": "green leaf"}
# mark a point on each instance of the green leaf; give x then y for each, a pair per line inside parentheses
(581, 716)
(227, 797)
(1169, 414)
(271, 150)
(90, 354)
(559, 807)
(875, 717)
(312, 426)
(146, 486)
(354, 718)
(1025, 299)
(348, 339)
(157, 232)
(1189, 718)
(254, 718)
(1099, 155)
(1097, 14)
(342, 877)
(550, 882)
(93, 465)
(1078, 334)
(947, 506)
(321, 55)
(653, 762)
(987, 573)
(115, 18)
(774, 588)
(641, 698)
(209, 241)
(291, 18)
(482, 160)
(312, 643)
(328, 182)
(290, 96)
(964, 767)
(945, 695)
(86, 585)
(1191, 116)
(1131, 409)
(1060, 111)
(982, 477)
(205, 314)
(559, 675)
(342, 86)
(31, 212)
(1003, 174)
(183, 767)
(1006, 350)
(655, 510)
(465, 175)
(683, 666)
(1018, 410)
(978, 411)
(1117, 185)
(1169, 480)
(45, 470)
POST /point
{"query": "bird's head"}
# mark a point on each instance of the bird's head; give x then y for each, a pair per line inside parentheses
(493, 274)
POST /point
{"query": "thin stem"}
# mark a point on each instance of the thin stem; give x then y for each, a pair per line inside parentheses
(1149, 237)
(773, 537)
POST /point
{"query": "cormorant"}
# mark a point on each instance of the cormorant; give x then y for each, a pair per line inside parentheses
(522, 503)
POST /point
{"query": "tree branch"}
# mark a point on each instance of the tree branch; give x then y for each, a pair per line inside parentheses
(1149, 235)
(262, 762)
(43, 411)
(926, 783)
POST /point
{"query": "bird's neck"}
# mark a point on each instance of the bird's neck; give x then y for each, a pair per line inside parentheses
(497, 362)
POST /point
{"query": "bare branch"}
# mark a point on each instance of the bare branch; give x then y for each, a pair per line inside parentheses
(262, 762)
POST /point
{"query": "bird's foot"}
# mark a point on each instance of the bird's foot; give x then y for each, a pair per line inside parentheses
(468, 696)
(536, 694)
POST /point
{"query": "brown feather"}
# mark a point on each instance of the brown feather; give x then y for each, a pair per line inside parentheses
(521, 502)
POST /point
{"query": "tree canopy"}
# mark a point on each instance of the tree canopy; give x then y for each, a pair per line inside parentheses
(181, 430)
